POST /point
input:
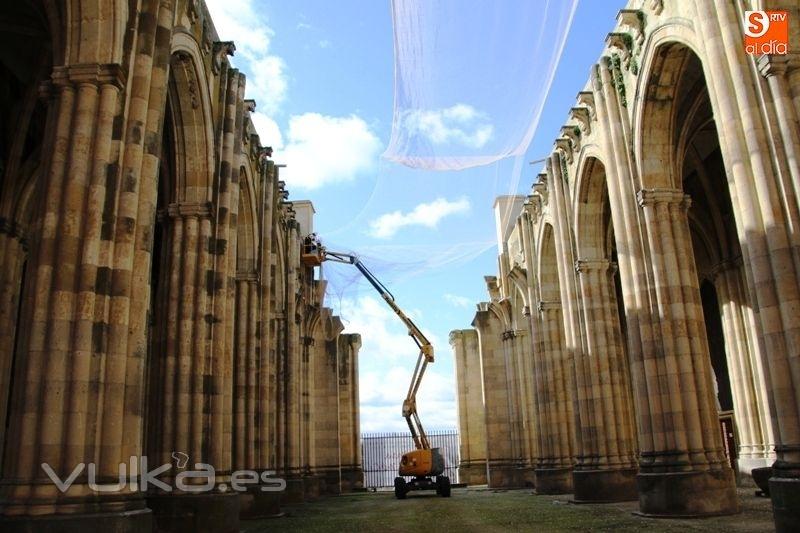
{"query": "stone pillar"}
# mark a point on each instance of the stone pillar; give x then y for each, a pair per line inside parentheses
(577, 381)
(503, 465)
(58, 387)
(179, 422)
(13, 253)
(691, 474)
(245, 365)
(325, 390)
(471, 410)
(606, 467)
(753, 420)
(352, 474)
(293, 423)
(555, 416)
(765, 211)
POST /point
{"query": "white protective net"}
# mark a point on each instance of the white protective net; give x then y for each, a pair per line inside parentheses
(471, 78)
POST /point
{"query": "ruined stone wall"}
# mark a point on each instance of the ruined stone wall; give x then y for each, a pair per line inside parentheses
(152, 298)
(660, 270)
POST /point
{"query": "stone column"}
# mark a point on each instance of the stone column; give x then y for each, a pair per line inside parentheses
(245, 368)
(765, 211)
(292, 468)
(502, 463)
(471, 410)
(606, 468)
(325, 390)
(13, 253)
(555, 416)
(58, 384)
(693, 462)
(753, 422)
(352, 474)
(577, 380)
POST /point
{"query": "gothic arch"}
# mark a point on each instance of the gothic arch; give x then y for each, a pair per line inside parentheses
(592, 211)
(664, 53)
(192, 134)
(247, 227)
(548, 267)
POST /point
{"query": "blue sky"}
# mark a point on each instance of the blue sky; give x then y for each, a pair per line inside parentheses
(321, 73)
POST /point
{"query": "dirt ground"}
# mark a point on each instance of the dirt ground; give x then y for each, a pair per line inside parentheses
(484, 510)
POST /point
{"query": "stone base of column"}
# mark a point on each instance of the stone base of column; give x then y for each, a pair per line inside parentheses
(553, 481)
(352, 479)
(528, 476)
(604, 486)
(331, 482)
(295, 490)
(747, 464)
(687, 494)
(312, 487)
(189, 513)
(785, 494)
(256, 503)
(504, 477)
(140, 520)
(472, 473)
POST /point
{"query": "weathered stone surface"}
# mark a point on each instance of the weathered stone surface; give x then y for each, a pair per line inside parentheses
(152, 298)
(656, 263)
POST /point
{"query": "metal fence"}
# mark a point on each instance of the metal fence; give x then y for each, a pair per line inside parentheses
(381, 453)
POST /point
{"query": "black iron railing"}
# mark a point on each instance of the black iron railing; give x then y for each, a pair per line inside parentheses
(381, 453)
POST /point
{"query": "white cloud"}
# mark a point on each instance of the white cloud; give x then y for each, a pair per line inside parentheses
(386, 362)
(269, 134)
(458, 301)
(303, 26)
(242, 22)
(457, 124)
(382, 395)
(324, 43)
(427, 215)
(322, 149)
(382, 331)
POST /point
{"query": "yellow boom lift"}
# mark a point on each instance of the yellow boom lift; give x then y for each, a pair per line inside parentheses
(424, 463)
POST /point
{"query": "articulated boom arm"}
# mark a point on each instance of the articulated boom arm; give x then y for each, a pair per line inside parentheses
(425, 347)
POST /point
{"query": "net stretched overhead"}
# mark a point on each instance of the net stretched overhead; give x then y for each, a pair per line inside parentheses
(471, 78)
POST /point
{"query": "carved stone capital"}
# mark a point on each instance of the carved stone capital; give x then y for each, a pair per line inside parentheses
(551, 305)
(96, 74)
(247, 276)
(582, 115)
(509, 334)
(586, 99)
(647, 197)
(573, 133)
(190, 209)
(621, 42)
(563, 145)
(634, 19)
(219, 50)
(584, 266)
(771, 65)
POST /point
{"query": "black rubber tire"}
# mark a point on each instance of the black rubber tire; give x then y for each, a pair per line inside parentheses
(443, 486)
(400, 489)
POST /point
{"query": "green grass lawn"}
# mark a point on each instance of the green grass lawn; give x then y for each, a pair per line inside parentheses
(493, 511)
